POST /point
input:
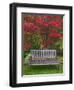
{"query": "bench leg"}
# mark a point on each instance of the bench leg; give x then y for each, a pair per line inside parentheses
(58, 67)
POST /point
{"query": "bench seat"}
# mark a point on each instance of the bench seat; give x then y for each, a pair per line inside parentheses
(44, 62)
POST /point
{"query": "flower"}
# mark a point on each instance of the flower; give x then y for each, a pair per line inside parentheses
(55, 35)
(58, 17)
(47, 17)
(35, 28)
(53, 31)
(27, 26)
(27, 46)
(45, 24)
(39, 20)
(61, 36)
(55, 24)
(30, 27)
(50, 42)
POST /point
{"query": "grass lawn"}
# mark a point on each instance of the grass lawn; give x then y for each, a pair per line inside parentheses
(33, 70)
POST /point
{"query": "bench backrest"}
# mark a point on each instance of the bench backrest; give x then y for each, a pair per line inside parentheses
(43, 53)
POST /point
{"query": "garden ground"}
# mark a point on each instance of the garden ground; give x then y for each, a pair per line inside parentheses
(50, 69)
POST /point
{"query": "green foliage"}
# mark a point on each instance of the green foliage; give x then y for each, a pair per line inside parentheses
(36, 41)
(27, 58)
(59, 44)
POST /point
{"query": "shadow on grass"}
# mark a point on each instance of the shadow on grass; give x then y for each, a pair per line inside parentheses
(34, 70)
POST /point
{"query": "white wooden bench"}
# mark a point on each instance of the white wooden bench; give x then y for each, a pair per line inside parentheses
(44, 57)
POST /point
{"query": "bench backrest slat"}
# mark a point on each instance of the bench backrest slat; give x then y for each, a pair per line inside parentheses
(43, 53)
